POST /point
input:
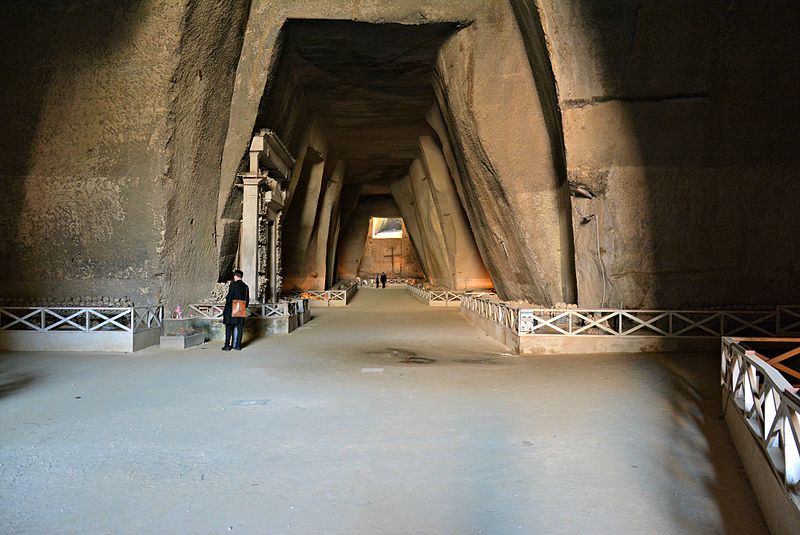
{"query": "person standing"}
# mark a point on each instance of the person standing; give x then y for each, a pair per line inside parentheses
(235, 311)
(377, 281)
(383, 279)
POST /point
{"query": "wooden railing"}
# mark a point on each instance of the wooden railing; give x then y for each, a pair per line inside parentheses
(263, 310)
(788, 320)
(81, 319)
(780, 321)
(341, 296)
(439, 297)
(767, 402)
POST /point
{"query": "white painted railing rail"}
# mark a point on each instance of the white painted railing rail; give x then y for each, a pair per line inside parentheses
(81, 319)
(263, 310)
(340, 296)
(438, 297)
(769, 405)
(788, 320)
(780, 321)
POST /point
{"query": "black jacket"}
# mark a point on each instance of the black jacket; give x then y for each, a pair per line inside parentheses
(237, 290)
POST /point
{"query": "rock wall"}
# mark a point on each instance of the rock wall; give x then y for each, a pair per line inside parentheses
(510, 185)
(312, 231)
(436, 222)
(681, 148)
(211, 42)
(627, 153)
(83, 153)
(111, 116)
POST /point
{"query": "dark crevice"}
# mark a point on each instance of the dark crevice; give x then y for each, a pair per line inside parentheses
(592, 101)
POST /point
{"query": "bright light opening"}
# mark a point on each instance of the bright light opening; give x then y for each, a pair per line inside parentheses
(384, 228)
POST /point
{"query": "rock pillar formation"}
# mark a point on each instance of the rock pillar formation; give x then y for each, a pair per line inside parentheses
(466, 264)
(636, 154)
(512, 191)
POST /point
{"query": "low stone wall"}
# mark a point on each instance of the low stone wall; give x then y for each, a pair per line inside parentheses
(102, 341)
(555, 344)
(572, 330)
(502, 334)
(780, 512)
(762, 411)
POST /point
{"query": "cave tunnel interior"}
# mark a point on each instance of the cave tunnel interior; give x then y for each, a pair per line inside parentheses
(351, 100)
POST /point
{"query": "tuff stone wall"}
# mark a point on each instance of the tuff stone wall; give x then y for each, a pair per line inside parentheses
(111, 115)
(83, 146)
(681, 148)
(199, 100)
(511, 187)
(626, 153)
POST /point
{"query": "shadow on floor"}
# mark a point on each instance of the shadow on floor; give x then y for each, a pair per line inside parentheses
(699, 437)
(12, 382)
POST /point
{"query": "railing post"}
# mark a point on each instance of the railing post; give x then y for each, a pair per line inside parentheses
(791, 453)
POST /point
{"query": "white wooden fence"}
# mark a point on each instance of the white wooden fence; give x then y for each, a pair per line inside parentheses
(81, 319)
(768, 404)
(340, 297)
(56, 328)
(214, 311)
(443, 298)
(783, 320)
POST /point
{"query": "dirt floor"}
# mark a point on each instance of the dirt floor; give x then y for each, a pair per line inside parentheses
(385, 417)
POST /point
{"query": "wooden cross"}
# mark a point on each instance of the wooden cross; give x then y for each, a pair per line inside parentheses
(391, 255)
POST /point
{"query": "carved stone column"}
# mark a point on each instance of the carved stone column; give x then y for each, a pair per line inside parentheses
(248, 254)
(272, 209)
(269, 163)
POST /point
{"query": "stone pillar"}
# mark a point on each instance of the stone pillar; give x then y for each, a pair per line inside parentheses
(271, 270)
(273, 260)
(272, 203)
(249, 232)
(465, 260)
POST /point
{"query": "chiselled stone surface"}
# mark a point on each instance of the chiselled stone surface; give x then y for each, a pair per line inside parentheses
(607, 153)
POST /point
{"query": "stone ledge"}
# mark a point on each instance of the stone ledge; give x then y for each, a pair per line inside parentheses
(780, 512)
(181, 341)
(95, 341)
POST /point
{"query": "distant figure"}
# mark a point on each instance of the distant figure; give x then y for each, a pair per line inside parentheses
(377, 281)
(383, 279)
(235, 311)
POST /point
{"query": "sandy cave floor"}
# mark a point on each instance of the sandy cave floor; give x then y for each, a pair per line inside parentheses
(385, 417)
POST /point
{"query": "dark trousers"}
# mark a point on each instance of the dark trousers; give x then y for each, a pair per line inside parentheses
(233, 336)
